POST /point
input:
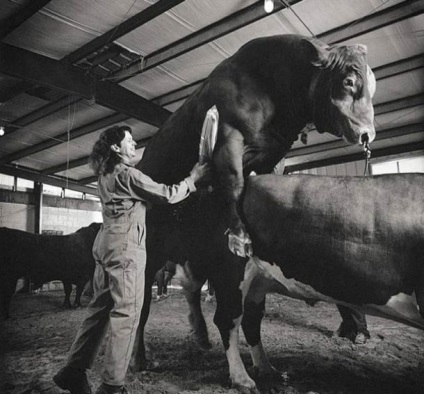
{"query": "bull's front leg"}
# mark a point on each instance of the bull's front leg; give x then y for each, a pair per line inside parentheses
(228, 161)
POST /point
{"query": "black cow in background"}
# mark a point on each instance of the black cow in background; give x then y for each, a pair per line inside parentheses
(44, 258)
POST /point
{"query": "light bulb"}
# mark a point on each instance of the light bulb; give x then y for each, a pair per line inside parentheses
(269, 6)
(1, 131)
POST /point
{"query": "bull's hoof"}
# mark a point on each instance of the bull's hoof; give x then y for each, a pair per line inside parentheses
(152, 365)
(204, 343)
(144, 365)
(361, 339)
(67, 305)
(76, 306)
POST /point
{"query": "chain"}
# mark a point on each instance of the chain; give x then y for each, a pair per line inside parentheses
(367, 154)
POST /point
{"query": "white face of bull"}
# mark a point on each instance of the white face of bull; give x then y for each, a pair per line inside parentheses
(342, 92)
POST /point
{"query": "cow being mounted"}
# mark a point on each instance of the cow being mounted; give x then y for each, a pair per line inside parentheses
(265, 94)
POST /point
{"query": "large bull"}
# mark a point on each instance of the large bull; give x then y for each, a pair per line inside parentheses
(43, 258)
(265, 94)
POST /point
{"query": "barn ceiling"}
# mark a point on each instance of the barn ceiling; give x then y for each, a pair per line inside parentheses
(71, 68)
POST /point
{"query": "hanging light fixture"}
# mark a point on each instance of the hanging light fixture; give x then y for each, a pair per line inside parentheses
(1, 131)
(269, 6)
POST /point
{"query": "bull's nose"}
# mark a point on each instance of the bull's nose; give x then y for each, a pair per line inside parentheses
(365, 138)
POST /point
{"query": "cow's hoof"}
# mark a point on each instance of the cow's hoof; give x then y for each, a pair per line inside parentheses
(270, 374)
(246, 390)
(66, 306)
(247, 387)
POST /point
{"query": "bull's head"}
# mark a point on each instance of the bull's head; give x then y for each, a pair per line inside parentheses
(342, 91)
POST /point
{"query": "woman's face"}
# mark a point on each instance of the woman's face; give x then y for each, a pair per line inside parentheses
(127, 148)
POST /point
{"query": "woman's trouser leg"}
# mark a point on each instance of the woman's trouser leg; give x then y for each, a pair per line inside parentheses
(92, 330)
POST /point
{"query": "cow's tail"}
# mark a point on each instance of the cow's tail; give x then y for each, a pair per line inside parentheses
(419, 293)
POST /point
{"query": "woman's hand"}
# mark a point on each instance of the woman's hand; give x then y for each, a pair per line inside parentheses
(201, 172)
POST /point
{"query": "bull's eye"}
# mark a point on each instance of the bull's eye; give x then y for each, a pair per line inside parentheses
(348, 83)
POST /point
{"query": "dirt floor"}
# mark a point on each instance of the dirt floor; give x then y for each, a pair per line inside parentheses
(299, 340)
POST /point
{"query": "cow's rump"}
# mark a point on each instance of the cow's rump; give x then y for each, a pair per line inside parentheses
(358, 240)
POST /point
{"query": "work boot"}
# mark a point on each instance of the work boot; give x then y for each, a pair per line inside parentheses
(108, 389)
(73, 380)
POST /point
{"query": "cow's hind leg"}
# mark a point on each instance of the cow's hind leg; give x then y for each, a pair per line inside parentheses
(78, 293)
(7, 289)
(254, 309)
(67, 287)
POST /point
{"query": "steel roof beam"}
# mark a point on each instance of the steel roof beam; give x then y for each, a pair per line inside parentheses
(21, 16)
(397, 13)
(62, 138)
(255, 12)
(19, 63)
(125, 27)
(209, 33)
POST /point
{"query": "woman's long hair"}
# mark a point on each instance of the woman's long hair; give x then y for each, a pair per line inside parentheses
(103, 159)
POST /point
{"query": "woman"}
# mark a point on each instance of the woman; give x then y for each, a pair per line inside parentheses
(120, 254)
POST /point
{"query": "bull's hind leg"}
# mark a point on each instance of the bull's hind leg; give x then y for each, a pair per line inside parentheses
(196, 318)
(229, 299)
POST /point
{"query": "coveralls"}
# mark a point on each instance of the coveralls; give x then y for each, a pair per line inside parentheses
(120, 254)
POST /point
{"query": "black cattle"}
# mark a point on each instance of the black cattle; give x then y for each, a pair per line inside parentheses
(265, 94)
(44, 258)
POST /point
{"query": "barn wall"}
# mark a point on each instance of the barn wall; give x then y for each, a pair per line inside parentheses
(17, 210)
(17, 216)
(350, 169)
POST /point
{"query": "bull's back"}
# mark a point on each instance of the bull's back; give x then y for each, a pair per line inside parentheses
(329, 231)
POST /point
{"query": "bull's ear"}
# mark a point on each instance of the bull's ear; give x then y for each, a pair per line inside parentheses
(362, 49)
(317, 51)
